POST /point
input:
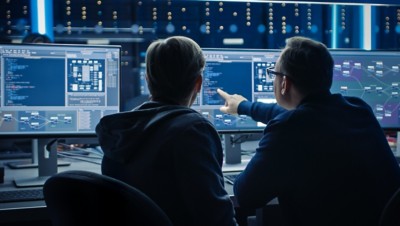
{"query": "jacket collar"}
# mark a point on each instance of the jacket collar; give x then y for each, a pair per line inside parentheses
(316, 97)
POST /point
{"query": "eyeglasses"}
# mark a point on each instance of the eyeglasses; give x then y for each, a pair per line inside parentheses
(272, 73)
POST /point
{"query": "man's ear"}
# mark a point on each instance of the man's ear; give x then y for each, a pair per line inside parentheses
(199, 82)
(283, 85)
(286, 84)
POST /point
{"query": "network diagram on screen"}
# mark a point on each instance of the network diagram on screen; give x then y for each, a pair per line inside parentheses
(57, 89)
(374, 76)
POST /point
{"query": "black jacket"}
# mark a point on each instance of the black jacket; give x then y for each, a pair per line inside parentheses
(174, 155)
(327, 161)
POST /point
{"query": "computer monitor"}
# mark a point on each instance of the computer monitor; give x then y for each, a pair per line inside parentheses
(241, 71)
(374, 76)
(50, 91)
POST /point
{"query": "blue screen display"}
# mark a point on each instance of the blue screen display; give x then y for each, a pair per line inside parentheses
(240, 71)
(374, 76)
(56, 89)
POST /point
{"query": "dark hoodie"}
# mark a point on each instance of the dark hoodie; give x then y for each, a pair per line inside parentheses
(174, 155)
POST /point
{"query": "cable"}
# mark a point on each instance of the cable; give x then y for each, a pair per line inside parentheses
(77, 158)
(83, 154)
(47, 147)
(69, 153)
(84, 150)
(240, 139)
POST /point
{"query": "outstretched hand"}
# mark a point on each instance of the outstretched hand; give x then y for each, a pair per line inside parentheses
(231, 102)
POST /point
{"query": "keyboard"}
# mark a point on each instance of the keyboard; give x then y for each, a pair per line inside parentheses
(21, 195)
(14, 154)
(230, 178)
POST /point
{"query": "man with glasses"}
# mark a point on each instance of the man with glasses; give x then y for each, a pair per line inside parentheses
(324, 156)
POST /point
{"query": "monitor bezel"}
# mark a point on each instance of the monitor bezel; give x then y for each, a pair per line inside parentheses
(365, 51)
(74, 134)
(332, 51)
(256, 50)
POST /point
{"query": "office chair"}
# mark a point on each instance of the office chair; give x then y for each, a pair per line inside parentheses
(270, 215)
(81, 198)
(391, 213)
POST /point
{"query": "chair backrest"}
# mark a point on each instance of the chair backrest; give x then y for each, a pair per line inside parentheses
(391, 213)
(76, 198)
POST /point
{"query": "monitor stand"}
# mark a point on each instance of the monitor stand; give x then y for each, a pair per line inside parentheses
(45, 151)
(233, 152)
(32, 163)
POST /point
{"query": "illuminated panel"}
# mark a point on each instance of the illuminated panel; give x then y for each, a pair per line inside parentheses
(373, 76)
(57, 89)
(241, 71)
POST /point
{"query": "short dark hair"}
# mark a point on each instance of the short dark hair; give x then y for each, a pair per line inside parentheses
(172, 67)
(309, 64)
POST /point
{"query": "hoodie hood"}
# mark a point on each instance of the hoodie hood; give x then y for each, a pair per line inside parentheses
(119, 133)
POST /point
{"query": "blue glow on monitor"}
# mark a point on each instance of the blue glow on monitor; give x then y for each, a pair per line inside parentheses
(55, 89)
(374, 76)
(241, 71)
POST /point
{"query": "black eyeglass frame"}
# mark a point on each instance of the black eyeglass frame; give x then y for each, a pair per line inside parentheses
(272, 73)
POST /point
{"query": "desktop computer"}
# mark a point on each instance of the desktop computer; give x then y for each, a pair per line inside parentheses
(53, 91)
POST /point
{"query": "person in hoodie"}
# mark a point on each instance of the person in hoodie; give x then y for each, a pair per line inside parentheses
(166, 149)
(324, 156)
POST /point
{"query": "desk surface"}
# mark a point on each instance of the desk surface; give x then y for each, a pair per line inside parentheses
(36, 210)
(33, 210)
(11, 174)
